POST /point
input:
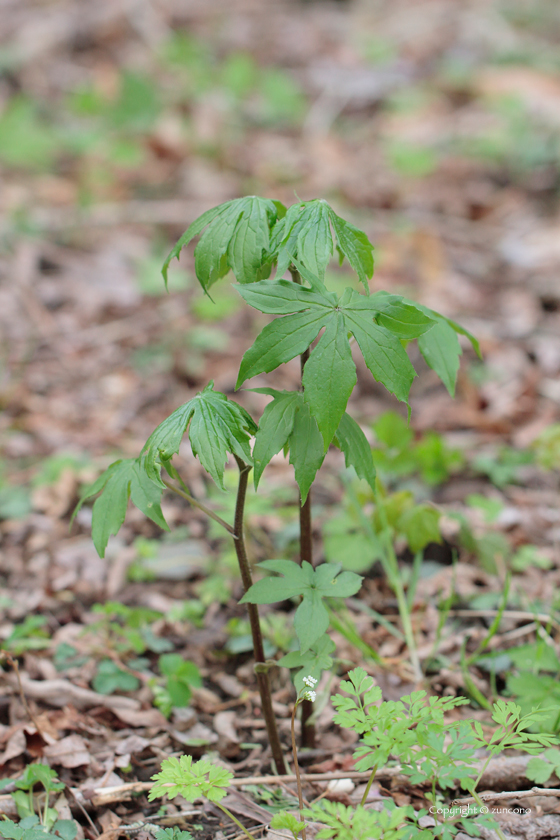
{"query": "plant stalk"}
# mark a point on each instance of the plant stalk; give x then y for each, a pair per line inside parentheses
(306, 553)
(201, 507)
(368, 786)
(296, 766)
(263, 678)
(235, 820)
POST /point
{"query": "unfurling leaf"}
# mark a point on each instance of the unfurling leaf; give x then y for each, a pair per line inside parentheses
(237, 238)
(121, 481)
(217, 427)
(304, 235)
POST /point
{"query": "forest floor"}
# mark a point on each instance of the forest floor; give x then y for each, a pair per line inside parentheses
(435, 127)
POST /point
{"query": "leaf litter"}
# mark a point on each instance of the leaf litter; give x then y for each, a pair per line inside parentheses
(458, 191)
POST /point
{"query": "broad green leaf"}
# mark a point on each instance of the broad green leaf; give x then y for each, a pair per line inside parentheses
(269, 590)
(441, 351)
(357, 451)
(329, 378)
(404, 320)
(120, 482)
(539, 771)
(356, 247)
(306, 448)
(281, 341)
(110, 678)
(237, 238)
(383, 354)
(420, 525)
(304, 234)
(311, 620)
(250, 239)
(314, 241)
(311, 663)
(287, 422)
(275, 428)
(218, 426)
(281, 297)
(462, 331)
(193, 230)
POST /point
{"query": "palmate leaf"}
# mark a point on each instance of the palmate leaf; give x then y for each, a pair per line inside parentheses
(378, 322)
(311, 618)
(121, 481)
(287, 423)
(217, 426)
(305, 234)
(237, 238)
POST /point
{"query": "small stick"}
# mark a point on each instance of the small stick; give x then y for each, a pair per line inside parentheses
(13, 662)
(510, 794)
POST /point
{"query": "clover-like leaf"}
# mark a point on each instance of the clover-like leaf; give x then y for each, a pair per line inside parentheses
(237, 237)
(217, 426)
(311, 619)
(180, 777)
(121, 481)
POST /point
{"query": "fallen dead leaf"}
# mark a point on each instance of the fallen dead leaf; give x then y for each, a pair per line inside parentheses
(69, 752)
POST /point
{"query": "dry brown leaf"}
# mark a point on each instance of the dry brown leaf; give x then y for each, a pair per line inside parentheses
(71, 751)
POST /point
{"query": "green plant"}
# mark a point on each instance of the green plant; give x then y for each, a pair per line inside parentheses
(249, 236)
(180, 677)
(37, 821)
(180, 777)
(29, 635)
(429, 749)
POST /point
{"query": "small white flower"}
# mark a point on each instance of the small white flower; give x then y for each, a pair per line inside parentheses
(311, 696)
(310, 681)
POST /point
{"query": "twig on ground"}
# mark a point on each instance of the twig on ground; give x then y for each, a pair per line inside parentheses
(510, 794)
(13, 662)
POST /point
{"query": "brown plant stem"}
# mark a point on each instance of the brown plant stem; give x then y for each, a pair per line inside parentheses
(11, 660)
(296, 768)
(263, 679)
(306, 553)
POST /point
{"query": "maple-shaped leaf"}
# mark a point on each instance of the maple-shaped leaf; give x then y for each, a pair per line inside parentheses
(326, 581)
(182, 777)
(121, 481)
(216, 426)
(379, 323)
(237, 237)
(305, 233)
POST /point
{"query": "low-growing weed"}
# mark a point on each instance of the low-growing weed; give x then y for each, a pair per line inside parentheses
(37, 820)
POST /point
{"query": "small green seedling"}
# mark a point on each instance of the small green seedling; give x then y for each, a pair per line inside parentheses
(180, 677)
(201, 780)
(37, 821)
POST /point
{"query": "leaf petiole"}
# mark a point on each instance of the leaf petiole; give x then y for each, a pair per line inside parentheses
(200, 506)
